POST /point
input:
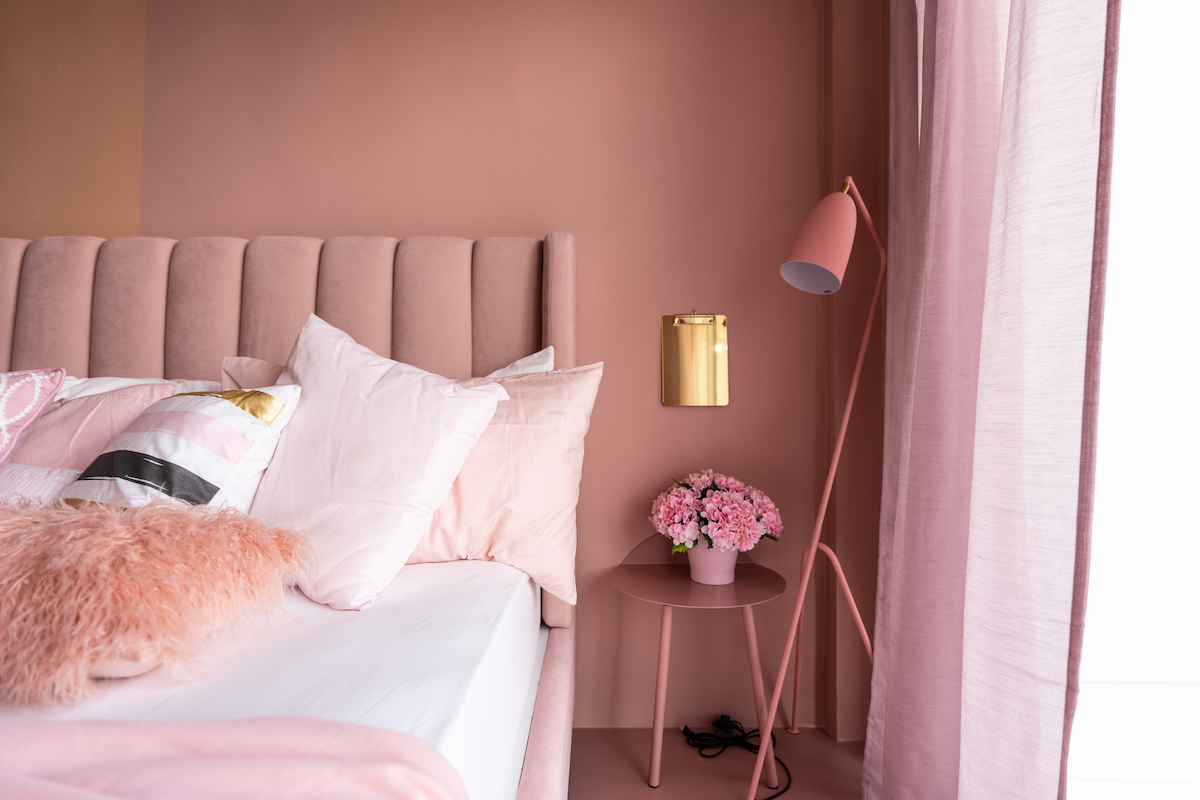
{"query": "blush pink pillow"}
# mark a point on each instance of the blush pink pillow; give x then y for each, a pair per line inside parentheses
(368, 457)
(23, 398)
(71, 433)
(514, 499)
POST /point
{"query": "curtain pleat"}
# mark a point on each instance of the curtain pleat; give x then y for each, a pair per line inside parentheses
(995, 157)
(1091, 382)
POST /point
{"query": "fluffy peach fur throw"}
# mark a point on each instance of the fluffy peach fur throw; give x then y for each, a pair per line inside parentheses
(103, 584)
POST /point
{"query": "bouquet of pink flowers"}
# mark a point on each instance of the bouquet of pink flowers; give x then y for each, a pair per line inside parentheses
(721, 510)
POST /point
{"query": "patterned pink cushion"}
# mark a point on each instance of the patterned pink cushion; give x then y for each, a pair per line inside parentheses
(199, 448)
(23, 398)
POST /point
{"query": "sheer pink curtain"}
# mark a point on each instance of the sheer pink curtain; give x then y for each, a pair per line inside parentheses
(998, 157)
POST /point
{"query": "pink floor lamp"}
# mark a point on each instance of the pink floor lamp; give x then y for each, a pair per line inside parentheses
(816, 263)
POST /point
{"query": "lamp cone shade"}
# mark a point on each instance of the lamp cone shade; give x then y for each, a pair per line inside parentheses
(817, 260)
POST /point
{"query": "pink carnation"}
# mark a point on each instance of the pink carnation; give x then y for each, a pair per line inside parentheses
(729, 483)
(675, 514)
(730, 522)
(724, 512)
(699, 481)
(768, 514)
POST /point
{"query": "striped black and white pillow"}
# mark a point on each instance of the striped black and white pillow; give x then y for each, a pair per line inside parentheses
(204, 448)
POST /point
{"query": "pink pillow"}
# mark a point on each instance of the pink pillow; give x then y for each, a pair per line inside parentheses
(369, 456)
(72, 433)
(520, 514)
(75, 388)
(243, 372)
(23, 398)
(514, 499)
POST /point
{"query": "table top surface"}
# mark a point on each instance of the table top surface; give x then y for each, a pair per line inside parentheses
(672, 585)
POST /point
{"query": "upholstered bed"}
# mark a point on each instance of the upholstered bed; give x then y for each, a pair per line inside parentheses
(157, 308)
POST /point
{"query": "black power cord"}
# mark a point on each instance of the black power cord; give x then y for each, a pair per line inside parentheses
(730, 733)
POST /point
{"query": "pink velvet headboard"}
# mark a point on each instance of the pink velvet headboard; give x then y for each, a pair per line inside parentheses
(158, 308)
(147, 307)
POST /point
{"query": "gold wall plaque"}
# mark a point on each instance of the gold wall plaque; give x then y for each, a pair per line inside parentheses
(695, 360)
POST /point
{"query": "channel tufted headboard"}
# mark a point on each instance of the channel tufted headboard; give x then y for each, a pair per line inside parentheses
(150, 307)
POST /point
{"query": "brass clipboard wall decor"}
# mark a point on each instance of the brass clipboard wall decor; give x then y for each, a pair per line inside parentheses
(695, 360)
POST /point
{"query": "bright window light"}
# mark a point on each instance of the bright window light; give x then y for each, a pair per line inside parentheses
(1136, 733)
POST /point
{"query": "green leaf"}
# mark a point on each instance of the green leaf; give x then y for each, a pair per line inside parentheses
(772, 538)
(680, 548)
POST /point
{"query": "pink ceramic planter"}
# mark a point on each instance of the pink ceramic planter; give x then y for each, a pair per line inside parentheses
(712, 566)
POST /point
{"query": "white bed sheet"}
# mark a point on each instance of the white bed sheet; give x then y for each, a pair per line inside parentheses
(447, 653)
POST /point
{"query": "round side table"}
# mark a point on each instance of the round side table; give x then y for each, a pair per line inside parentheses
(652, 573)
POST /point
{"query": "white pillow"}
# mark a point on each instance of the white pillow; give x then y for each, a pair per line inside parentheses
(240, 372)
(541, 361)
(368, 458)
(74, 388)
(207, 448)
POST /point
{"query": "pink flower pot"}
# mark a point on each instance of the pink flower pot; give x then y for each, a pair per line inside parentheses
(712, 566)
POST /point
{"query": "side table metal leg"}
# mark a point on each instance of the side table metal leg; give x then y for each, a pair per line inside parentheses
(760, 701)
(660, 695)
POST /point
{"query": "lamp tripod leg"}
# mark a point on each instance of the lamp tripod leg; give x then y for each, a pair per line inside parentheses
(794, 727)
(841, 576)
(773, 704)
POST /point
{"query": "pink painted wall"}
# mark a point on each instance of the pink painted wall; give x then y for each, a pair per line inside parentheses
(856, 140)
(680, 141)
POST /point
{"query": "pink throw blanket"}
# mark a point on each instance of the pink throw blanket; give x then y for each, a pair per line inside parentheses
(263, 759)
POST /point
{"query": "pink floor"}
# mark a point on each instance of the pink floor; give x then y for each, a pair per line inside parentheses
(613, 762)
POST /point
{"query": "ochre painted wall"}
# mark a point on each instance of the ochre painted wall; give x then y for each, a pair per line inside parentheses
(70, 117)
(680, 141)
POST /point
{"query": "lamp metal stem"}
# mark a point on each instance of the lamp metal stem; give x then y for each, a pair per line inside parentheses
(810, 553)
